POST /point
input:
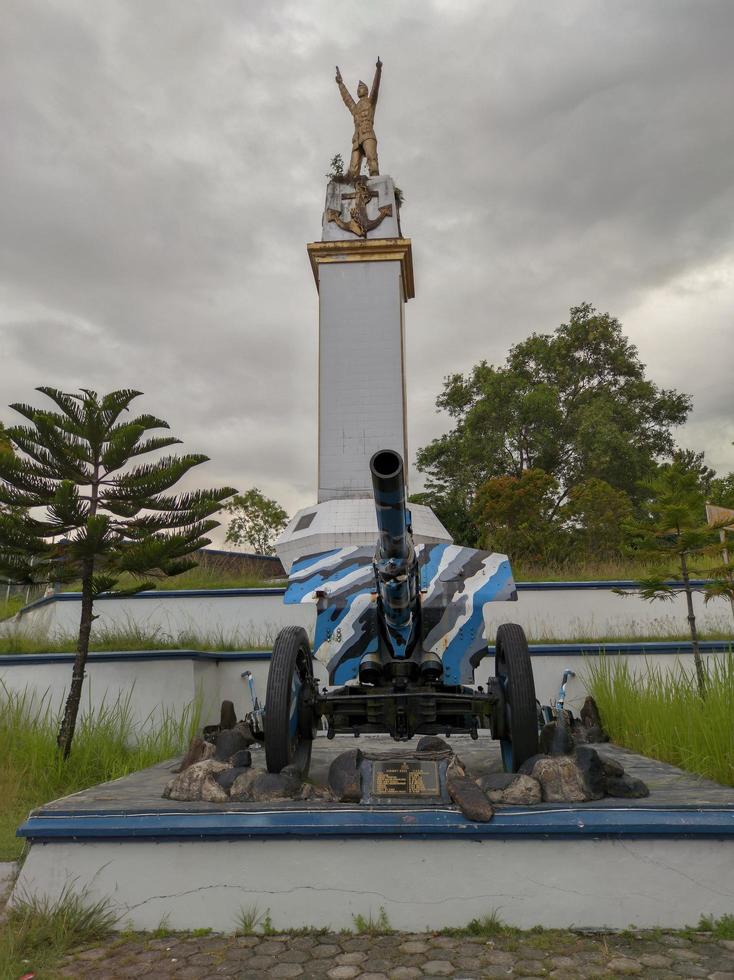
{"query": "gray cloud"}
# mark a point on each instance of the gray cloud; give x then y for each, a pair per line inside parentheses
(163, 168)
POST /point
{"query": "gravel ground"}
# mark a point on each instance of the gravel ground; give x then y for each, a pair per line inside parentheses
(408, 957)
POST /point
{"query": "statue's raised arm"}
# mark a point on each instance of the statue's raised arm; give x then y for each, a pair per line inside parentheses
(376, 83)
(348, 100)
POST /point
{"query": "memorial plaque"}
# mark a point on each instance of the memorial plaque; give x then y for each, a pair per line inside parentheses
(405, 778)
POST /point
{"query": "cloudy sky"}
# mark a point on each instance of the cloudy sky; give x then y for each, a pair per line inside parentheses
(162, 169)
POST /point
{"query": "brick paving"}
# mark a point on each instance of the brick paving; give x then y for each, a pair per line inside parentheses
(401, 956)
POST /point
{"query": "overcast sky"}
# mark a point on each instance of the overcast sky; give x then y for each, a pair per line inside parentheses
(162, 169)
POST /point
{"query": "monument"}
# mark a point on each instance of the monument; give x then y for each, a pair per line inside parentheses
(363, 271)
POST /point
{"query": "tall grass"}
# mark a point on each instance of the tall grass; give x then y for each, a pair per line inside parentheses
(659, 712)
(38, 931)
(133, 636)
(108, 744)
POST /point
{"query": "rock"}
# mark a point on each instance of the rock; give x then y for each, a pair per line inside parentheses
(515, 790)
(262, 787)
(312, 792)
(626, 787)
(212, 792)
(227, 715)
(611, 767)
(495, 781)
(556, 739)
(345, 781)
(198, 751)
(229, 742)
(595, 734)
(592, 769)
(469, 798)
(188, 785)
(241, 759)
(529, 764)
(432, 743)
(590, 713)
(240, 788)
(226, 777)
(560, 779)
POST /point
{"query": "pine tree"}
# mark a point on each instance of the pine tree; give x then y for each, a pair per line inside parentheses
(674, 536)
(81, 508)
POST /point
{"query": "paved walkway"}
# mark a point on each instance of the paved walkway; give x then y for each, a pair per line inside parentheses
(408, 957)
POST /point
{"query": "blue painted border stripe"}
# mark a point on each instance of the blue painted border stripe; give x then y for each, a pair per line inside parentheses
(437, 823)
(536, 650)
(278, 591)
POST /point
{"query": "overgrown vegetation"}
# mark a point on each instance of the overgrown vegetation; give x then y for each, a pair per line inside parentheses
(39, 931)
(673, 534)
(659, 712)
(109, 744)
(135, 636)
(372, 926)
(79, 505)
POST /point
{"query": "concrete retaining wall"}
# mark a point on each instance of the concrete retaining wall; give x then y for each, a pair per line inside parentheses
(547, 611)
(168, 681)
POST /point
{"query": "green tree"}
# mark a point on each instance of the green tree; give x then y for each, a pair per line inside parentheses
(593, 516)
(256, 521)
(91, 512)
(575, 403)
(674, 536)
(516, 515)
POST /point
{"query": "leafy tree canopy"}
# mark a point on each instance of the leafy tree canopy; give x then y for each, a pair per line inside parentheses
(575, 404)
(256, 521)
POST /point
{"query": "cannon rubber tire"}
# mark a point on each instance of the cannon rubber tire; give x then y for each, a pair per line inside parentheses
(291, 655)
(515, 670)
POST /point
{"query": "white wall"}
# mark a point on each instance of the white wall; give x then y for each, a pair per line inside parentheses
(554, 614)
(161, 683)
(433, 884)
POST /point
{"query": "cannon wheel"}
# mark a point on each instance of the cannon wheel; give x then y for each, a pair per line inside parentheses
(514, 670)
(289, 723)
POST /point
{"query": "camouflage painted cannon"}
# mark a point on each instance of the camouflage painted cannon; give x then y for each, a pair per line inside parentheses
(400, 629)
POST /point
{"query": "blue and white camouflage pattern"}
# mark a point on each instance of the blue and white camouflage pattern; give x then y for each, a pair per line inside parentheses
(455, 583)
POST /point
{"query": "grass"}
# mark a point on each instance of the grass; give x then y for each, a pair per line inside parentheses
(134, 636)
(659, 713)
(9, 607)
(369, 926)
(39, 931)
(108, 744)
(250, 921)
(580, 571)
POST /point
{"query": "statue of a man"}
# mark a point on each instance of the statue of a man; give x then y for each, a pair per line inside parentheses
(364, 141)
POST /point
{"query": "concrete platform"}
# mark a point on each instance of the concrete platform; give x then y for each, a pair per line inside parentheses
(660, 861)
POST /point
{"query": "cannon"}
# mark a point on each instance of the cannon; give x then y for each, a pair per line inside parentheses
(400, 632)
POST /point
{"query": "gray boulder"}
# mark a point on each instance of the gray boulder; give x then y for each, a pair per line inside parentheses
(592, 769)
(470, 799)
(189, 785)
(345, 781)
(556, 739)
(227, 715)
(510, 788)
(561, 779)
(432, 743)
(627, 787)
(612, 768)
(198, 751)
(241, 759)
(230, 741)
(227, 777)
(265, 787)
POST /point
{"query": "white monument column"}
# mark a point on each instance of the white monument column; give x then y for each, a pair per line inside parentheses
(363, 270)
(363, 286)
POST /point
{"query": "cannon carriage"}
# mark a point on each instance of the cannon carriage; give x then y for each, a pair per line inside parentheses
(400, 629)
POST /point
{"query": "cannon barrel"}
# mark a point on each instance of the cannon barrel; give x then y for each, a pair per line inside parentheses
(388, 481)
